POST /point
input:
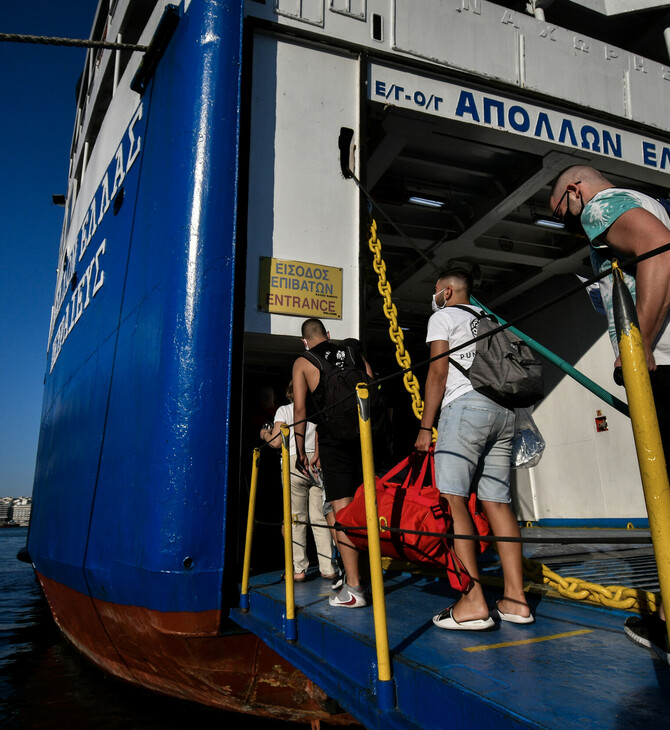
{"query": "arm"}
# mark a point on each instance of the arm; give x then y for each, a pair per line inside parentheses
(368, 369)
(635, 232)
(436, 382)
(300, 390)
(271, 435)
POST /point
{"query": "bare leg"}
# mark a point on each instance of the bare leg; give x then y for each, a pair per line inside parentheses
(472, 604)
(348, 552)
(504, 524)
(330, 519)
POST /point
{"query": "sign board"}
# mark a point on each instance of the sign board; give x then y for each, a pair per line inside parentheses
(472, 105)
(300, 289)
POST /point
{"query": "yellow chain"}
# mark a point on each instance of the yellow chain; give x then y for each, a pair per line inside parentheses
(632, 599)
(574, 588)
(401, 354)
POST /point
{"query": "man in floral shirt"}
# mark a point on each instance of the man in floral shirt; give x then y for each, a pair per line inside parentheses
(622, 223)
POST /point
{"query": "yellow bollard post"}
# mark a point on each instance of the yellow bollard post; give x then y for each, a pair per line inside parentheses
(385, 689)
(251, 512)
(648, 444)
(291, 632)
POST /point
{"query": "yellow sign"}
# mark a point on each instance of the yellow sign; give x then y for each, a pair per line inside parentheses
(300, 289)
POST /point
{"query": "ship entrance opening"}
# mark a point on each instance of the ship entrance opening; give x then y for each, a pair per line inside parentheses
(449, 193)
(454, 193)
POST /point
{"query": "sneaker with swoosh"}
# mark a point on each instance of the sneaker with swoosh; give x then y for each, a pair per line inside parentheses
(348, 597)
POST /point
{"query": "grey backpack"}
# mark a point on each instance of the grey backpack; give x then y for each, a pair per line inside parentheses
(504, 367)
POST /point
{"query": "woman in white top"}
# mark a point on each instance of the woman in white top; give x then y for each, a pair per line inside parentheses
(306, 497)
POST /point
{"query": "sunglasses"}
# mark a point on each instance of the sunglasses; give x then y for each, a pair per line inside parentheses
(556, 215)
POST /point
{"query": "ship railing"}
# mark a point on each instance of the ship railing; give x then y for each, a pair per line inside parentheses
(384, 680)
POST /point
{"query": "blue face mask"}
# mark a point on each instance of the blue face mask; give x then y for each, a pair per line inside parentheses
(435, 306)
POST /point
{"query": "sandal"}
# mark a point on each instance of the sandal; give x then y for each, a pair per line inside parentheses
(513, 618)
(445, 620)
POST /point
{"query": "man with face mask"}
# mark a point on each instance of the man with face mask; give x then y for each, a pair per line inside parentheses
(622, 223)
(473, 451)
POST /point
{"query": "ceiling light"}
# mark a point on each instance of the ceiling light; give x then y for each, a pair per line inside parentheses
(548, 223)
(428, 202)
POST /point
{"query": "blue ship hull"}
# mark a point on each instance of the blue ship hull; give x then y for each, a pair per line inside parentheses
(129, 531)
(133, 462)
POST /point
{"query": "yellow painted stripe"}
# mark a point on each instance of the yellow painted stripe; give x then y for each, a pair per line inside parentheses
(528, 641)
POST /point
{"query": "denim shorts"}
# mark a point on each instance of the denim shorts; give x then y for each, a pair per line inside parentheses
(474, 447)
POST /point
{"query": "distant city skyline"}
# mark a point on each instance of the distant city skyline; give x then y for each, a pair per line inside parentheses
(37, 87)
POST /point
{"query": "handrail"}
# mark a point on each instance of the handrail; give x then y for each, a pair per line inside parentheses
(385, 685)
(290, 629)
(251, 513)
(560, 363)
(648, 443)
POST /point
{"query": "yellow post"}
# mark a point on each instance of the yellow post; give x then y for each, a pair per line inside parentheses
(251, 512)
(648, 444)
(291, 633)
(385, 693)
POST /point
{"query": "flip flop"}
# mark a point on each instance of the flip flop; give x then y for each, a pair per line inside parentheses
(513, 618)
(446, 620)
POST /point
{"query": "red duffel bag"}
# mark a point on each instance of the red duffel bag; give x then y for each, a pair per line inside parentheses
(407, 499)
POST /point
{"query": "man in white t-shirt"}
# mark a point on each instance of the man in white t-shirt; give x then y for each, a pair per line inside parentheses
(307, 499)
(624, 223)
(473, 451)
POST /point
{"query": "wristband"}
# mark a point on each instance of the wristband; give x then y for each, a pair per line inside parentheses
(425, 428)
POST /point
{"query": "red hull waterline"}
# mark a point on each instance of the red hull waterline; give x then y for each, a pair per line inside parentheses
(185, 656)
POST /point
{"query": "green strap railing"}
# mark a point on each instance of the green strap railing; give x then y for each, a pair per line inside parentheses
(563, 365)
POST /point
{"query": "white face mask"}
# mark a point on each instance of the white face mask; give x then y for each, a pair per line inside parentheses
(435, 306)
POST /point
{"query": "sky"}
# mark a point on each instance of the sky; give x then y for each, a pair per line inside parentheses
(37, 91)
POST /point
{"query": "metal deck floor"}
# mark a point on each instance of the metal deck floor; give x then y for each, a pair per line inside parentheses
(573, 666)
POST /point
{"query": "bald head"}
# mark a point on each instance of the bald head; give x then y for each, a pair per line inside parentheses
(591, 181)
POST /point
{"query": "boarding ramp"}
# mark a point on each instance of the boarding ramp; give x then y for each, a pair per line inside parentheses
(390, 667)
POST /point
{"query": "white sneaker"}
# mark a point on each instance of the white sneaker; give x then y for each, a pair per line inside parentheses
(348, 597)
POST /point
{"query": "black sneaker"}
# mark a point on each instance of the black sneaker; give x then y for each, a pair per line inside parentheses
(338, 581)
(650, 632)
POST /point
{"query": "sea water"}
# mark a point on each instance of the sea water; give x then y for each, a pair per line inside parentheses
(46, 683)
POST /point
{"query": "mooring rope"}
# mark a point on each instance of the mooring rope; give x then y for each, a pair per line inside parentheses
(76, 42)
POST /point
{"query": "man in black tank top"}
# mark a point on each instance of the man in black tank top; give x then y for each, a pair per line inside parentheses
(340, 458)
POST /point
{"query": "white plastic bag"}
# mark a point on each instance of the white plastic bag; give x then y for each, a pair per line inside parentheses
(528, 445)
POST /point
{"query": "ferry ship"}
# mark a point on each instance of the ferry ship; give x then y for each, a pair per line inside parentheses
(222, 165)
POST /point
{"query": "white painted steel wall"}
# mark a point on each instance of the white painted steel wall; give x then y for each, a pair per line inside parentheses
(584, 474)
(489, 42)
(300, 206)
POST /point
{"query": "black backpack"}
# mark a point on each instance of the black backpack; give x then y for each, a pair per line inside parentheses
(504, 367)
(341, 408)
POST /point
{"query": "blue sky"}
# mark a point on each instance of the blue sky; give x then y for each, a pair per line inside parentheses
(37, 88)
